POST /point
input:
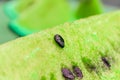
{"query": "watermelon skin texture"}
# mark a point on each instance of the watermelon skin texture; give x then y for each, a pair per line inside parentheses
(39, 57)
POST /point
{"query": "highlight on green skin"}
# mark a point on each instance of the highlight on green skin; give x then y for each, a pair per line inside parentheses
(42, 15)
(89, 8)
(87, 41)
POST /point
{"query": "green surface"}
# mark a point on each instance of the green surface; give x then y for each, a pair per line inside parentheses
(43, 15)
(40, 15)
(37, 56)
(5, 33)
(22, 5)
(14, 8)
(88, 8)
(9, 9)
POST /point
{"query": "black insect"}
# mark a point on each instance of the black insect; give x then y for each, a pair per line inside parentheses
(77, 72)
(68, 74)
(105, 61)
(59, 40)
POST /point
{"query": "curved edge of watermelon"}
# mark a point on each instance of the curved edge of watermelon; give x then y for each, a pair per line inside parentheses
(9, 10)
(15, 27)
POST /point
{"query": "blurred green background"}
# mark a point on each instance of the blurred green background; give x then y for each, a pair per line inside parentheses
(7, 35)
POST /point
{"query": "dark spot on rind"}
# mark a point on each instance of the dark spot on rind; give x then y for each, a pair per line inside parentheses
(59, 40)
(43, 78)
(67, 74)
(77, 72)
(88, 64)
(92, 67)
(106, 62)
(52, 76)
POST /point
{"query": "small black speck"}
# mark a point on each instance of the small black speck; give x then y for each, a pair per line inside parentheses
(105, 61)
(59, 40)
(68, 74)
(77, 72)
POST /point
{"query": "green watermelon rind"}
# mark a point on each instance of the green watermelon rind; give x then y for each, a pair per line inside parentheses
(18, 29)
